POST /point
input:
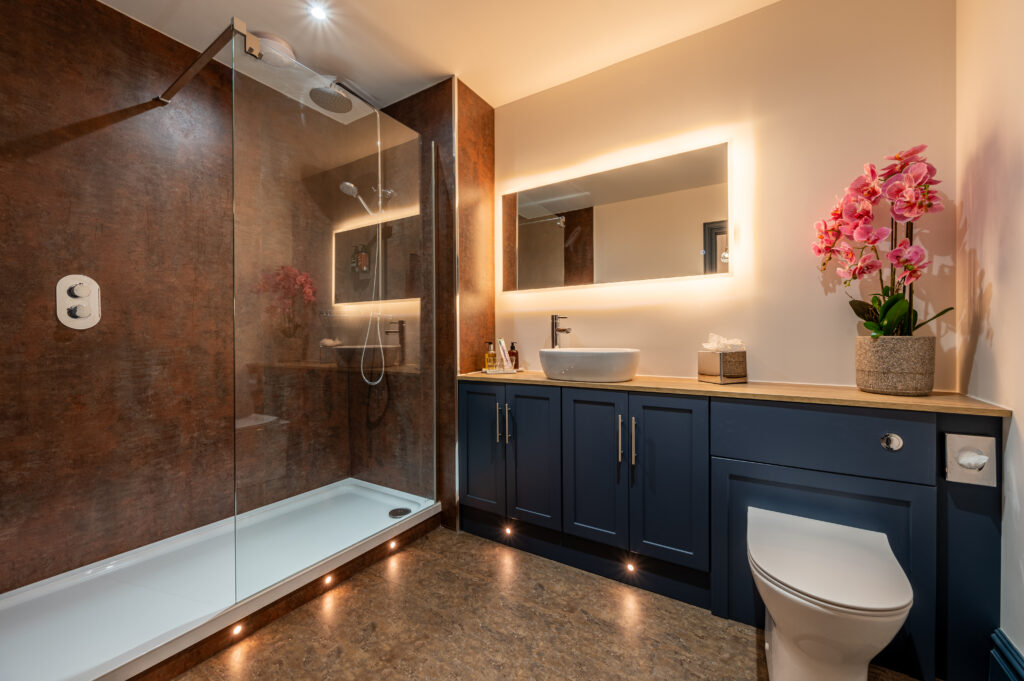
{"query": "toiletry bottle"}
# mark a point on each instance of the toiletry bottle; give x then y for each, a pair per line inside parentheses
(490, 358)
(514, 355)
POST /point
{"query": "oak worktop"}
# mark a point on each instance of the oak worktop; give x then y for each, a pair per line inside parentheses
(847, 396)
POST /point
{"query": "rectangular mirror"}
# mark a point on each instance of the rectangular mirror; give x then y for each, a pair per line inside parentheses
(667, 217)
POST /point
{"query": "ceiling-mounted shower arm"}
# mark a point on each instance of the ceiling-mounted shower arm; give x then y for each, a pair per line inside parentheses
(252, 46)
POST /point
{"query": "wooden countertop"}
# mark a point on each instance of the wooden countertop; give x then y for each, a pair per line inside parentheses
(847, 396)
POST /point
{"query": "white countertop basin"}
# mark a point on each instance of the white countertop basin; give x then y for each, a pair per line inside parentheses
(599, 365)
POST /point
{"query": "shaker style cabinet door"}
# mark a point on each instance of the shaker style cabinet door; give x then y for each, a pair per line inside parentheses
(669, 478)
(595, 469)
(533, 454)
(482, 446)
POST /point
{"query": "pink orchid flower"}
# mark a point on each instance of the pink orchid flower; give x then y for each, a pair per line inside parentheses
(867, 185)
(911, 259)
(867, 233)
(866, 266)
(902, 159)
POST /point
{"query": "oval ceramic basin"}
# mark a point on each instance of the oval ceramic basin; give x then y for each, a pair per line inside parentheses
(597, 365)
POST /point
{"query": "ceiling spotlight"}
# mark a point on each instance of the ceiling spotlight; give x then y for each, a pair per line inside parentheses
(318, 12)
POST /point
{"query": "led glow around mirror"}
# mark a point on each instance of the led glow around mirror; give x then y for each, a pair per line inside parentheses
(662, 218)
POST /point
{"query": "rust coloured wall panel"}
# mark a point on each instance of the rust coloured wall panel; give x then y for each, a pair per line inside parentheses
(120, 435)
(509, 241)
(476, 227)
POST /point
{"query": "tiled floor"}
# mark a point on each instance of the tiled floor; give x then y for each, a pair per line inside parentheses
(453, 606)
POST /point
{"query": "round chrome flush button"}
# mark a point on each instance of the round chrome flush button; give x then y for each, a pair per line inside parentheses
(891, 442)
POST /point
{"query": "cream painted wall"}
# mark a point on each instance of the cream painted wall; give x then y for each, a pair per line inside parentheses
(990, 279)
(656, 236)
(803, 108)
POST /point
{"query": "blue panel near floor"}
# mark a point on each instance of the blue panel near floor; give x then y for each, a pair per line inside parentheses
(673, 581)
(1006, 662)
(904, 512)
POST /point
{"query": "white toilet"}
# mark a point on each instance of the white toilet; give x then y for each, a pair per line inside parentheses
(835, 595)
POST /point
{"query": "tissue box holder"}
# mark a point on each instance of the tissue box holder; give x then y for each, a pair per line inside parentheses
(722, 367)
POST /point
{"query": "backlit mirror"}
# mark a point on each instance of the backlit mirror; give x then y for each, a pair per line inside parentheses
(662, 218)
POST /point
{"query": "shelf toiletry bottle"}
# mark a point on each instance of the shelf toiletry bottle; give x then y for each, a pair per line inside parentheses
(513, 354)
(490, 358)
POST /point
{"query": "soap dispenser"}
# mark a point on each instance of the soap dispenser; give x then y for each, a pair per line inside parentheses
(513, 354)
(490, 358)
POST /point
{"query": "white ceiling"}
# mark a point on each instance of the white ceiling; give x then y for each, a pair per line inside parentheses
(388, 49)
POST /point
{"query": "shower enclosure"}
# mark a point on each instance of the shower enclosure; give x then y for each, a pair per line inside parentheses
(332, 392)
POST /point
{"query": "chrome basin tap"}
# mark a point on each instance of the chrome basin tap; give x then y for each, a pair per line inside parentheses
(555, 329)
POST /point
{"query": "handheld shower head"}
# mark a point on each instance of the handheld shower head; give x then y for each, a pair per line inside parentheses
(350, 189)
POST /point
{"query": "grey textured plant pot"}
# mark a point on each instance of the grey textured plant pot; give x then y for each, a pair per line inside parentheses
(896, 365)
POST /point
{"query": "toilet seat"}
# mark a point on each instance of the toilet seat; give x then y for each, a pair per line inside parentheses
(833, 566)
(824, 605)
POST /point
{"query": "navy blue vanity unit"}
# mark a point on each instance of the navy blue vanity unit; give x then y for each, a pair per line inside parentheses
(648, 482)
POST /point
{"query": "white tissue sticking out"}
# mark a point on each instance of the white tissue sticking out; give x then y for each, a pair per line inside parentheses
(718, 343)
(329, 343)
(972, 459)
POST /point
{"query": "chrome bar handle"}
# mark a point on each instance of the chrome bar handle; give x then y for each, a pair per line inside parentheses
(497, 422)
(508, 433)
(620, 438)
(632, 441)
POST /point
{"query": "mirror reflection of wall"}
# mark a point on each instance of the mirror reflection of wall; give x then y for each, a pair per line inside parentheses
(646, 221)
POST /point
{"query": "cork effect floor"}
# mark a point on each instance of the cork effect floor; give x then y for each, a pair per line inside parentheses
(454, 606)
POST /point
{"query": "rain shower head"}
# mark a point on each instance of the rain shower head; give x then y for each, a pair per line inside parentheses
(331, 98)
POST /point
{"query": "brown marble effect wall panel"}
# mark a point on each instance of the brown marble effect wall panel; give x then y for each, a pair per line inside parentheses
(578, 237)
(476, 227)
(509, 241)
(120, 435)
(430, 112)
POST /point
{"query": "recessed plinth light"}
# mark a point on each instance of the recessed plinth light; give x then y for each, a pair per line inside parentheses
(237, 630)
(508, 530)
(317, 12)
(393, 544)
(630, 567)
(328, 579)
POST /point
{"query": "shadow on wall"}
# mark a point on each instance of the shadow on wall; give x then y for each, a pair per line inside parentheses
(26, 147)
(989, 221)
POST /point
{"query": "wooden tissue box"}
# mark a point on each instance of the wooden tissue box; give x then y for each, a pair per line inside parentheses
(722, 367)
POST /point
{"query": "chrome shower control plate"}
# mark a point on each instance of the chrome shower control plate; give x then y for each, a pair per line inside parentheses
(78, 302)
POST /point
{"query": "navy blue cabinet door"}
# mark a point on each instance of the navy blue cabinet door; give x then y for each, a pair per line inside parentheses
(533, 454)
(595, 469)
(482, 446)
(668, 496)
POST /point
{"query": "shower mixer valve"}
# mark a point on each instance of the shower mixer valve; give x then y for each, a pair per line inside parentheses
(78, 302)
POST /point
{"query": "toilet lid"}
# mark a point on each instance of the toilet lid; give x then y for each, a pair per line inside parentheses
(837, 564)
